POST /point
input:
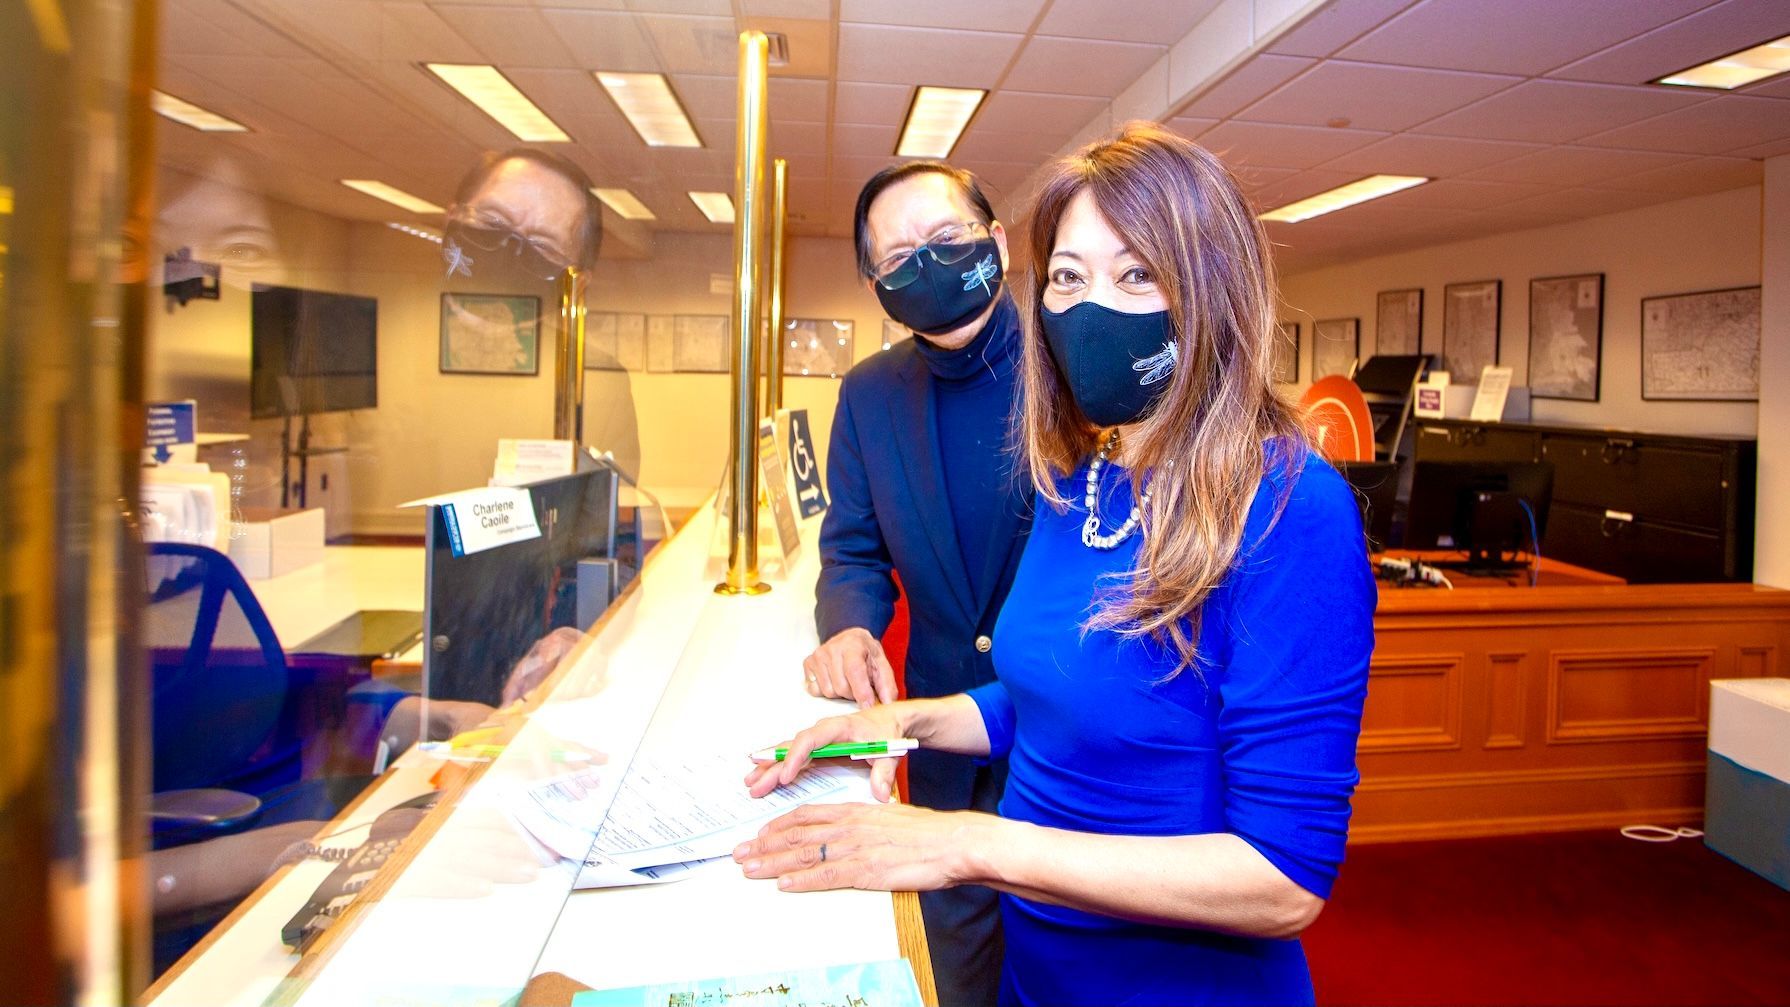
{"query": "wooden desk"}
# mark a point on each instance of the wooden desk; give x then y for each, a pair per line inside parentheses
(1578, 705)
(670, 663)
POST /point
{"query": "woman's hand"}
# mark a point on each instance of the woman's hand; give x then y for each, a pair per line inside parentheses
(877, 723)
(884, 847)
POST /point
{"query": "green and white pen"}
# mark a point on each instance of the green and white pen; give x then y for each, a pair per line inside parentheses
(891, 749)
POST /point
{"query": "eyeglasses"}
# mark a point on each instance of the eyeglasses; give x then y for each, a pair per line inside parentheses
(948, 246)
(533, 256)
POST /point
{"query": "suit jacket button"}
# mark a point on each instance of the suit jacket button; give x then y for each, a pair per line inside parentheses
(984, 645)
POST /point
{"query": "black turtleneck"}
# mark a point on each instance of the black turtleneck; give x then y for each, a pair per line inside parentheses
(974, 390)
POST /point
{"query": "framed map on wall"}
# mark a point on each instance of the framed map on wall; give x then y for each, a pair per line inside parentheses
(1398, 322)
(1701, 347)
(614, 342)
(1566, 337)
(1470, 314)
(490, 334)
(817, 347)
(1335, 346)
(699, 344)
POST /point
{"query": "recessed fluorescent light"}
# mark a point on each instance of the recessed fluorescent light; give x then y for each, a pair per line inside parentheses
(624, 203)
(396, 197)
(717, 206)
(1768, 59)
(1371, 187)
(651, 107)
(495, 96)
(935, 119)
(188, 114)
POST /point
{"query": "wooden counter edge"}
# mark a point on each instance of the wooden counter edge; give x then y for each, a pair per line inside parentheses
(910, 935)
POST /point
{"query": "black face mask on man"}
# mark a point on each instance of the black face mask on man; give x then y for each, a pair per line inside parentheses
(955, 283)
(1117, 363)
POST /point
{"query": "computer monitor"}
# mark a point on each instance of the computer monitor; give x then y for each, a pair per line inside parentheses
(311, 352)
(1376, 493)
(1487, 509)
(482, 611)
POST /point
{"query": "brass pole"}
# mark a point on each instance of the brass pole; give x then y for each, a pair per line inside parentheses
(568, 365)
(748, 253)
(773, 370)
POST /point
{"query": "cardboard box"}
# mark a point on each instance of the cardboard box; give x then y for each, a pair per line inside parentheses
(269, 542)
(1747, 792)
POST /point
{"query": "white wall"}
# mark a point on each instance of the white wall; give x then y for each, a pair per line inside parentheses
(1771, 562)
(1702, 243)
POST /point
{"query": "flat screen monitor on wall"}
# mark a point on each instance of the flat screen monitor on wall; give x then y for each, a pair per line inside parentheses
(312, 352)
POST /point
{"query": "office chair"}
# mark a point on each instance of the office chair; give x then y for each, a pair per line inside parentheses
(224, 735)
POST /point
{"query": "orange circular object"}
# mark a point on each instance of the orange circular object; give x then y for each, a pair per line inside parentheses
(1337, 416)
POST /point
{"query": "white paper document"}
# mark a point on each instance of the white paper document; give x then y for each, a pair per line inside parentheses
(671, 810)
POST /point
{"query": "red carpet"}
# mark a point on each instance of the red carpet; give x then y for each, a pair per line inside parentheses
(1575, 918)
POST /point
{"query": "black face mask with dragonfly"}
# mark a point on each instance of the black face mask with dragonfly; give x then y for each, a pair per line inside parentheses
(943, 284)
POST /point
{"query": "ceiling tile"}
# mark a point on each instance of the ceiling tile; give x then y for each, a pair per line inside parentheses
(1456, 194)
(604, 40)
(1298, 186)
(215, 27)
(881, 54)
(717, 8)
(508, 36)
(1773, 149)
(705, 96)
(1771, 87)
(1503, 37)
(1159, 23)
(809, 169)
(1728, 122)
(1694, 177)
(1335, 25)
(694, 44)
(1023, 111)
(1256, 77)
(1100, 68)
(1282, 146)
(413, 33)
(997, 145)
(1372, 96)
(1190, 127)
(1582, 202)
(1553, 111)
(1714, 31)
(798, 99)
(798, 138)
(981, 15)
(1572, 166)
(1435, 156)
(864, 140)
(872, 103)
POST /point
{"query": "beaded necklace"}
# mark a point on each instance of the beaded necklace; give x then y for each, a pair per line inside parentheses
(1090, 529)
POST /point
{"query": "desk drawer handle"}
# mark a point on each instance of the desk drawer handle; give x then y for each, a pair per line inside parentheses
(1614, 521)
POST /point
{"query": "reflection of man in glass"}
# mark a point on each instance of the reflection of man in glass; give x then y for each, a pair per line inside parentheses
(519, 219)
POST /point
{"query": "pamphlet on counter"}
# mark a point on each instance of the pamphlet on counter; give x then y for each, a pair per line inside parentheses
(869, 984)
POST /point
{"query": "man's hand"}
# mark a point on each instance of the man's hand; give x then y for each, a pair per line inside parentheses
(851, 666)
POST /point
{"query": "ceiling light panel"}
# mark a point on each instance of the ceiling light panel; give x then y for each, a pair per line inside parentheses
(1343, 196)
(188, 114)
(717, 206)
(395, 196)
(1744, 67)
(936, 118)
(651, 107)
(486, 87)
(624, 203)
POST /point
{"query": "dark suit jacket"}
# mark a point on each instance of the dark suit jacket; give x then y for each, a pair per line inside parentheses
(889, 510)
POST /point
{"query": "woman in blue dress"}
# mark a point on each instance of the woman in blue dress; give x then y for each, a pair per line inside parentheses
(1183, 658)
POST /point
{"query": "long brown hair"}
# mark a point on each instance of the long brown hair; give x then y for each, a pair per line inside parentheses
(1203, 444)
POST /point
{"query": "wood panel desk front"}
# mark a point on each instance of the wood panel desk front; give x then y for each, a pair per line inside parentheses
(1495, 710)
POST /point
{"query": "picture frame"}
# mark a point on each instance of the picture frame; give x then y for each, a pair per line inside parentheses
(1701, 346)
(490, 334)
(1286, 352)
(1398, 322)
(1566, 337)
(659, 356)
(1335, 346)
(614, 341)
(818, 347)
(1471, 315)
(699, 344)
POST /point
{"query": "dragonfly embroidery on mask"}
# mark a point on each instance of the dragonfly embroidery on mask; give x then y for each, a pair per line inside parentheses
(981, 273)
(458, 262)
(1158, 365)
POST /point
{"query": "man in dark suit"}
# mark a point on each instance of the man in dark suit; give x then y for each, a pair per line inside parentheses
(925, 486)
